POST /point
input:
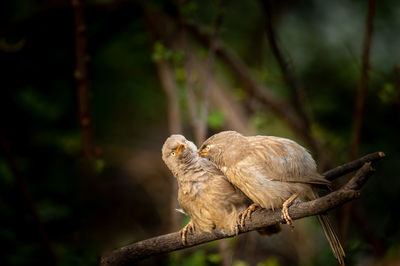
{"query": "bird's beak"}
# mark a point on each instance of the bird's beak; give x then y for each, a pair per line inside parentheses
(180, 148)
(202, 152)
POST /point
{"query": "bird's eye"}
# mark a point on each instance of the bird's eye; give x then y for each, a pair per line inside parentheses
(208, 147)
(173, 154)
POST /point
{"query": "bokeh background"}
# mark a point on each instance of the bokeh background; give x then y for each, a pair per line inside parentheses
(91, 89)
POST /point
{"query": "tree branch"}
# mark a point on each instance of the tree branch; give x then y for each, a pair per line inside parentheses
(288, 77)
(254, 88)
(261, 218)
(362, 88)
(353, 165)
(81, 76)
(359, 108)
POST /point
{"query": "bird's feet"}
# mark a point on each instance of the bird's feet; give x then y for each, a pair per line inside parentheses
(188, 228)
(285, 210)
(246, 214)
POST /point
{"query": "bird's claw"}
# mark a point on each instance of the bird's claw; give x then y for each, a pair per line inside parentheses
(237, 229)
(246, 214)
(188, 228)
(285, 210)
(286, 216)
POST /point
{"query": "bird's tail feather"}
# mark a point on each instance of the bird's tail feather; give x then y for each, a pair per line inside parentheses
(332, 238)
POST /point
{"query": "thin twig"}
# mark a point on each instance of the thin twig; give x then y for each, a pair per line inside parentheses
(81, 76)
(282, 62)
(353, 165)
(259, 219)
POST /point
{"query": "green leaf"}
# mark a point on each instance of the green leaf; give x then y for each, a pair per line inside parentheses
(38, 105)
(216, 119)
(178, 57)
(180, 74)
(189, 8)
(196, 258)
(214, 258)
(69, 143)
(99, 165)
(240, 263)
(269, 262)
(239, 94)
(160, 52)
(50, 211)
(388, 93)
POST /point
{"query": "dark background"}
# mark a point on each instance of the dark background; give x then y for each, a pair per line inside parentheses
(66, 199)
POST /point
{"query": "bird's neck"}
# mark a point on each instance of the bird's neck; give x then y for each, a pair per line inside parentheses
(185, 163)
(219, 160)
(190, 170)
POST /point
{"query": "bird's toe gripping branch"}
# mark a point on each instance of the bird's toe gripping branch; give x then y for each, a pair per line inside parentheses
(285, 206)
(188, 228)
(246, 214)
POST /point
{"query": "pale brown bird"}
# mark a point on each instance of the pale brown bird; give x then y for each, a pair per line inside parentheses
(271, 171)
(204, 193)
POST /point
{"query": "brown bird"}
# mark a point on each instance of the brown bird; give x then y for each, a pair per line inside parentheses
(204, 193)
(272, 172)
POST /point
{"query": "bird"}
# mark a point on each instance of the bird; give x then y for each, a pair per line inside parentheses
(272, 172)
(204, 193)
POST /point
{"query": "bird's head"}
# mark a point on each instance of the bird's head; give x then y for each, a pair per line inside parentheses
(177, 150)
(217, 146)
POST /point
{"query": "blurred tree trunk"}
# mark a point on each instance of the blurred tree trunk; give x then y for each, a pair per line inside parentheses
(166, 77)
(359, 108)
(168, 84)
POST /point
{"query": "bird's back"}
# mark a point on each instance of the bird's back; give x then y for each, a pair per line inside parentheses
(270, 169)
(284, 160)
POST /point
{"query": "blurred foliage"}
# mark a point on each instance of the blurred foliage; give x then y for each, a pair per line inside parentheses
(216, 119)
(388, 94)
(123, 195)
(269, 262)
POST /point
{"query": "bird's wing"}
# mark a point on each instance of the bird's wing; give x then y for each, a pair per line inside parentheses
(280, 159)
